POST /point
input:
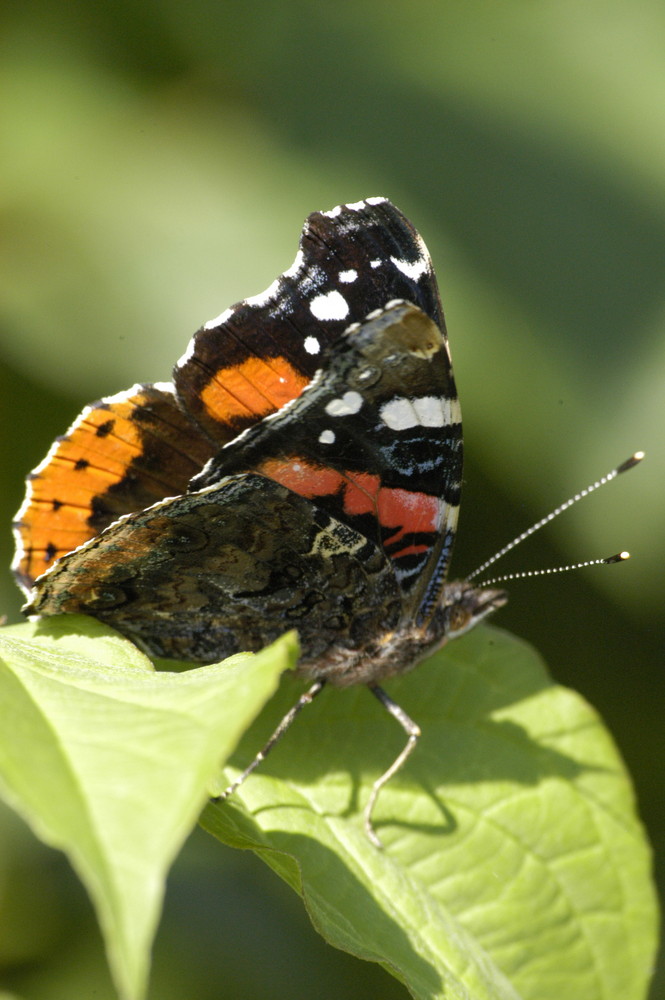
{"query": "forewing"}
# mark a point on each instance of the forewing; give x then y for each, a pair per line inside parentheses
(263, 351)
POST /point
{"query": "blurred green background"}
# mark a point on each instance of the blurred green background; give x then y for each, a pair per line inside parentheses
(158, 160)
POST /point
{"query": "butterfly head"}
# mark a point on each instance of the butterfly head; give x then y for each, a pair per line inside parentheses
(463, 605)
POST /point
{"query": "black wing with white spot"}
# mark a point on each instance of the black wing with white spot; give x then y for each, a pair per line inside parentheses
(262, 352)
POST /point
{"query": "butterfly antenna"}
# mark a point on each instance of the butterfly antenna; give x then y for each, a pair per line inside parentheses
(619, 557)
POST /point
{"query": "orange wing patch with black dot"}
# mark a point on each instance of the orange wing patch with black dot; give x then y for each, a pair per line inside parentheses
(122, 454)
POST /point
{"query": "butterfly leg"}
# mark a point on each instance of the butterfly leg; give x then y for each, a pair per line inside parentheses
(413, 732)
(304, 699)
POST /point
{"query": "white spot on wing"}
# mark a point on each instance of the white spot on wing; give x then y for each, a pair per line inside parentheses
(334, 212)
(376, 200)
(327, 437)
(346, 277)
(312, 346)
(329, 306)
(345, 406)
(355, 206)
(430, 411)
(412, 269)
(375, 263)
(218, 320)
(401, 414)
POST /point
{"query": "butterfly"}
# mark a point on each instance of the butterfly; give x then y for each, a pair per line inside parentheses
(303, 471)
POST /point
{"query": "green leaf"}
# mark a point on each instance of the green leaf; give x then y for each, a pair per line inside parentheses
(514, 863)
(111, 761)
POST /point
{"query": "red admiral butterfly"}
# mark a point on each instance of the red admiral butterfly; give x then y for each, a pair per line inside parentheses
(303, 471)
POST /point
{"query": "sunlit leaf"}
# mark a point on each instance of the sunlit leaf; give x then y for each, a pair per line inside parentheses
(110, 761)
(514, 864)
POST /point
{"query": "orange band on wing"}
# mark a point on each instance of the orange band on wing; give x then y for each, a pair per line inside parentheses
(303, 478)
(254, 388)
(121, 455)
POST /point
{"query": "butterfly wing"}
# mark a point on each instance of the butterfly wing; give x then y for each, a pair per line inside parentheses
(124, 453)
(375, 440)
(373, 449)
(225, 569)
(262, 352)
(120, 455)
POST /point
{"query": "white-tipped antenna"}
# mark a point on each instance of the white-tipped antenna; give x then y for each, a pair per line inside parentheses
(619, 557)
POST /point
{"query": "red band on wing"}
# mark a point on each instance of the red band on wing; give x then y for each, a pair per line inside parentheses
(408, 512)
